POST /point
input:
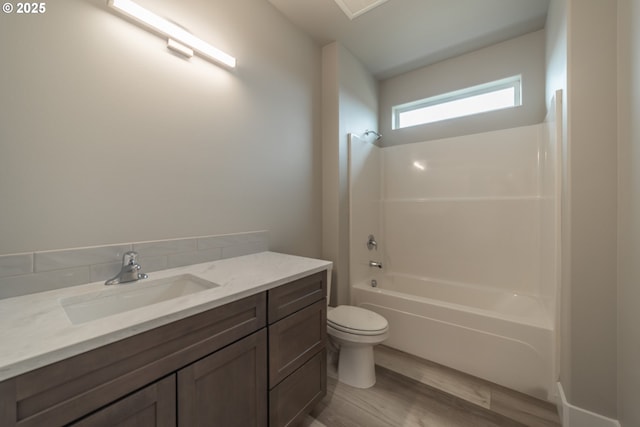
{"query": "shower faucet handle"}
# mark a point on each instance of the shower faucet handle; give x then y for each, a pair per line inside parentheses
(371, 243)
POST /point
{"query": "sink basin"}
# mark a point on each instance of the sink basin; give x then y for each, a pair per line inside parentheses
(126, 297)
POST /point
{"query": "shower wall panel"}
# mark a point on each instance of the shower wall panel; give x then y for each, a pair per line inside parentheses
(466, 210)
(365, 177)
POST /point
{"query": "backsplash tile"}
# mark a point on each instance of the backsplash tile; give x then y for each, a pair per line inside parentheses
(245, 248)
(14, 265)
(230, 240)
(103, 272)
(189, 258)
(57, 260)
(22, 274)
(153, 263)
(40, 282)
(165, 247)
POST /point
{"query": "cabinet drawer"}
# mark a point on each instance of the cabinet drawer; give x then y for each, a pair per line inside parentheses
(68, 390)
(295, 339)
(289, 298)
(294, 397)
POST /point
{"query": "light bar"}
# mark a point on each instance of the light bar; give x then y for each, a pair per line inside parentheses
(172, 31)
(179, 48)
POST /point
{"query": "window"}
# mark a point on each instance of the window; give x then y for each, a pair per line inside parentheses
(491, 96)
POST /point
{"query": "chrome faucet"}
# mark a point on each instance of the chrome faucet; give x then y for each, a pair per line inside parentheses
(375, 264)
(130, 270)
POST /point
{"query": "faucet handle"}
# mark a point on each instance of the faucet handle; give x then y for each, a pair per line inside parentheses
(371, 243)
(130, 258)
(130, 270)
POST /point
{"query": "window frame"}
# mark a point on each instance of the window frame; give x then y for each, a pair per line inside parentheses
(514, 82)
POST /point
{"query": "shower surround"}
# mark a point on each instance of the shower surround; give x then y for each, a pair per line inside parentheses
(466, 230)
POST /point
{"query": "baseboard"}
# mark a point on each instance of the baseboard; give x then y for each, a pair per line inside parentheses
(573, 416)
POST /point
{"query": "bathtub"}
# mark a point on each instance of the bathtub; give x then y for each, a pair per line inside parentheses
(501, 337)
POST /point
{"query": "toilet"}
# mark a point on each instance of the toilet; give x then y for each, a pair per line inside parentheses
(355, 331)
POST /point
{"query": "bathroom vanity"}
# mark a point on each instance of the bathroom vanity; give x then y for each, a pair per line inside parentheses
(251, 352)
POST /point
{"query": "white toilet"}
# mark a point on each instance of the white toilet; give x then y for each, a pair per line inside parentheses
(355, 331)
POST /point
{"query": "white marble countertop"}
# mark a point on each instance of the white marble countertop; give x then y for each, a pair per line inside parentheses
(35, 330)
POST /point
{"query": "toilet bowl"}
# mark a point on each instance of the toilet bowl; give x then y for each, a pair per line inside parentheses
(355, 331)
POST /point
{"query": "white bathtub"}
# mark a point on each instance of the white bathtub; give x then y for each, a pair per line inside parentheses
(500, 337)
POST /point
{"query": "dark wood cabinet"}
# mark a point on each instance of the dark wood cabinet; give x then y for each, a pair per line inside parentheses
(297, 394)
(216, 368)
(291, 297)
(66, 391)
(226, 388)
(297, 349)
(295, 339)
(154, 405)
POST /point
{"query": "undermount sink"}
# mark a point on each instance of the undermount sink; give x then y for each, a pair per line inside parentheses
(130, 296)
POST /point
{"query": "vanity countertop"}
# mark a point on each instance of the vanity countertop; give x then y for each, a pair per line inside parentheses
(35, 330)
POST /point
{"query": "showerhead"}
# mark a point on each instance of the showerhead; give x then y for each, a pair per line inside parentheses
(378, 135)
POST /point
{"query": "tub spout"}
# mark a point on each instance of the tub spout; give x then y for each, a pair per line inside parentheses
(375, 264)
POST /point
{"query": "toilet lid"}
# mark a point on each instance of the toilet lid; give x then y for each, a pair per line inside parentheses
(356, 320)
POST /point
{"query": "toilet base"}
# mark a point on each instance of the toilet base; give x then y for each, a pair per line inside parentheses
(356, 366)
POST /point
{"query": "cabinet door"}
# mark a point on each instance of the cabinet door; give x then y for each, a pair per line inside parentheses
(153, 406)
(227, 388)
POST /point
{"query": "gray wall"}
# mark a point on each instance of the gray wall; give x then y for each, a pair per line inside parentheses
(584, 61)
(105, 137)
(521, 55)
(592, 102)
(350, 105)
(629, 213)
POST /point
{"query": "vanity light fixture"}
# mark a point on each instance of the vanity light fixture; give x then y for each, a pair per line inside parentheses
(178, 39)
(180, 48)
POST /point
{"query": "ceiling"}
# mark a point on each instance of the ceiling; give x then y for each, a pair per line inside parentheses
(401, 35)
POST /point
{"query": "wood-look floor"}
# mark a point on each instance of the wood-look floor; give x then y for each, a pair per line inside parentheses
(412, 392)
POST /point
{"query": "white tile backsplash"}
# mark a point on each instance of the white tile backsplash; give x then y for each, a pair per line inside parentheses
(153, 263)
(22, 274)
(195, 257)
(105, 271)
(165, 247)
(232, 240)
(245, 248)
(14, 265)
(40, 282)
(69, 258)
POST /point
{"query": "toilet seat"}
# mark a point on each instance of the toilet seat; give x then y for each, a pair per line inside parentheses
(357, 321)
